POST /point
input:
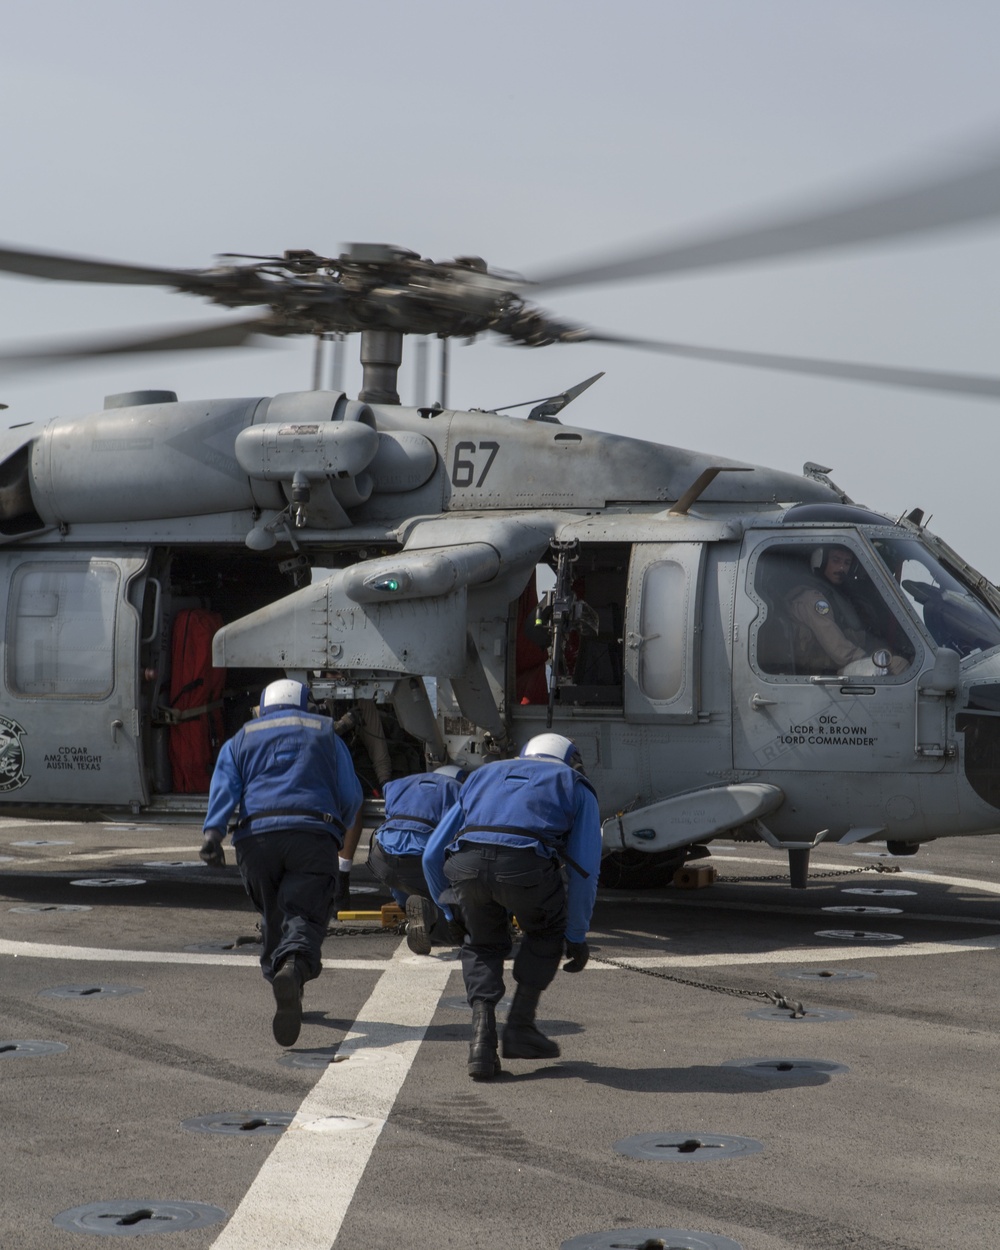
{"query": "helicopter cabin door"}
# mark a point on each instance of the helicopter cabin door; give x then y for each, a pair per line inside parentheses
(69, 729)
(663, 632)
(826, 661)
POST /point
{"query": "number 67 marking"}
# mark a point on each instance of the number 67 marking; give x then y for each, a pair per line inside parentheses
(463, 467)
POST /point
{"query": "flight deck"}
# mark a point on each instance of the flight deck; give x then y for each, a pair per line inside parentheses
(742, 1065)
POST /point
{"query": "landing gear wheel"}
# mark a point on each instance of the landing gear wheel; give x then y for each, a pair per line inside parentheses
(635, 870)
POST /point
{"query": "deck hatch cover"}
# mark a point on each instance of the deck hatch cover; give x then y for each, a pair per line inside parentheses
(855, 909)
(859, 935)
(686, 1147)
(43, 842)
(108, 882)
(880, 891)
(830, 974)
(35, 907)
(241, 1123)
(90, 990)
(135, 1218)
(30, 1049)
(812, 1015)
(650, 1239)
(781, 1068)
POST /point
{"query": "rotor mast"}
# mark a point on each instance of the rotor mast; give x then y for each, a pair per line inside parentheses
(381, 356)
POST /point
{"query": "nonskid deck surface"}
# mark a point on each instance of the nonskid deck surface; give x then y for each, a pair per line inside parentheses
(142, 1083)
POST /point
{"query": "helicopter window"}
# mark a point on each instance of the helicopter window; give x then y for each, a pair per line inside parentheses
(824, 615)
(662, 623)
(952, 614)
(61, 629)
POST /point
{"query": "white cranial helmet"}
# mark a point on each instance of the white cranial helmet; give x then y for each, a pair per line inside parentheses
(553, 747)
(284, 693)
(452, 770)
(819, 556)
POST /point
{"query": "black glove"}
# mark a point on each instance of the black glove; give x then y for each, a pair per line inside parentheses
(212, 853)
(579, 953)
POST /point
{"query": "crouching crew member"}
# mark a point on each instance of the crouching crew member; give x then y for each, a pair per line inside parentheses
(498, 851)
(292, 782)
(414, 807)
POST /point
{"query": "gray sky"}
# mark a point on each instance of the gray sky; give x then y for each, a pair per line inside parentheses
(530, 133)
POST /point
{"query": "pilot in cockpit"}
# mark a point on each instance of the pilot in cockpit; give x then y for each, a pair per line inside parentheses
(829, 631)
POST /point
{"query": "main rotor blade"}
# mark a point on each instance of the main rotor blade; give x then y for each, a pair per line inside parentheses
(975, 385)
(80, 269)
(940, 201)
(190, 338)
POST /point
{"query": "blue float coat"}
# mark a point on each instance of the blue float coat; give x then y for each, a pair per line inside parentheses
(540, 805)
(288, 761)
(414, 807)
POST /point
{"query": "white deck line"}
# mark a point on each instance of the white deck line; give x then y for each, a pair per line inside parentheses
(722, 959)
(301, 1194)
(102, 955)
(833, 952)
(66, 859)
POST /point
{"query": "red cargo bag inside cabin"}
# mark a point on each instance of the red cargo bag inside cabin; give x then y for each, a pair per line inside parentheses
(196, 699)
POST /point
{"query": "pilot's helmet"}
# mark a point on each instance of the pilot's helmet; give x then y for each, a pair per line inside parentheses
(284, 694)
(452, 770)
(553, 747)
(819, 556)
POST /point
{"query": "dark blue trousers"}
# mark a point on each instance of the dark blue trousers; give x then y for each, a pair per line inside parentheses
(291, 878)
(404, 875)
(489, 882)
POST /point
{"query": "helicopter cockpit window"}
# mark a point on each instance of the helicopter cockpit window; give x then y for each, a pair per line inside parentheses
(952, 613)
(824, 615)
(61, 629)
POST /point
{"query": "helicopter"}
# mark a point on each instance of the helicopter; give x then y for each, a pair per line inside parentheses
(482, 577)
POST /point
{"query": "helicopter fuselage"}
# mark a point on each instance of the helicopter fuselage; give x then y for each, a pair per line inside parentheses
(412, 557)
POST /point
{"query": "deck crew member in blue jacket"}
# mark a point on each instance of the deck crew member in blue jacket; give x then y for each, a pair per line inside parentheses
(414, 807)
(290, 779)
(498, 851)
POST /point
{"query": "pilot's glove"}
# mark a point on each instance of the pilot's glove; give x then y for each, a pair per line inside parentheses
(212, 853)
(578, 953)
(876, 665)
(347, 723)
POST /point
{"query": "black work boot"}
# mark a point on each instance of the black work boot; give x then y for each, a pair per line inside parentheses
(521, 1038)
(484, 1062)
(287, 988)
